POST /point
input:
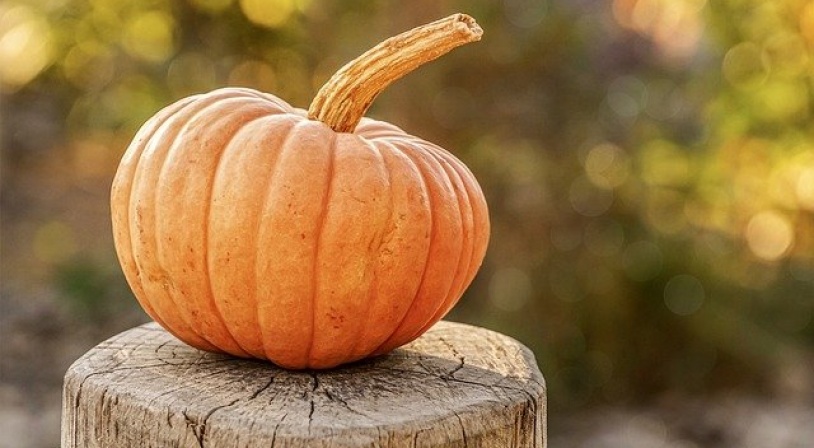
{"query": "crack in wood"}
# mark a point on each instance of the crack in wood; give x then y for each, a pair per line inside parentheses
(312, 398)
(311, 415)
(449, 388)
(262, 389)
(451, 379)
(451, 374)
(199, 426)
(333, 397)
(274, 431)
(463, 428)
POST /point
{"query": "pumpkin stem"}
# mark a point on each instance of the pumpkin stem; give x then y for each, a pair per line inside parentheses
(343, 100)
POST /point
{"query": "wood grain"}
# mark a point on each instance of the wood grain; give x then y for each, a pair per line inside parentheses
(456, 386)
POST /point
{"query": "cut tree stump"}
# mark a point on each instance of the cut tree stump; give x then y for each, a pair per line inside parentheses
(456, 386)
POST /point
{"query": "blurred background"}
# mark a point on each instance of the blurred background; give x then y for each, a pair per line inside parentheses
(649, 166)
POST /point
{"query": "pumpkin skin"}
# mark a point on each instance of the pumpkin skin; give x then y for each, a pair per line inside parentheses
(244, 227)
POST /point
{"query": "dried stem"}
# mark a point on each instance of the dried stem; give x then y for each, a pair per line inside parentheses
(343, 100)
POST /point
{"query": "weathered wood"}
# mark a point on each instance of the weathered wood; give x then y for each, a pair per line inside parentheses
(456, 386)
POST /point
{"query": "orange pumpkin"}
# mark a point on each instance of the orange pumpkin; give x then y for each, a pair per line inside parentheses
(247, 226)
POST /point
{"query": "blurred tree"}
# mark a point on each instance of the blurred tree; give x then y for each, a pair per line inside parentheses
(648, 163)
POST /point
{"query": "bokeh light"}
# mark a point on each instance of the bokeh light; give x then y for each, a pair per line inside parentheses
(770, 235)
(805, 188)
(743, 66)
(149, 36)
(675, 27)
(25, 44)
(271, 13)
(607, 166)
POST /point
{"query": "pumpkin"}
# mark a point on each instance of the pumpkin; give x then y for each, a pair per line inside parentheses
(311, 239)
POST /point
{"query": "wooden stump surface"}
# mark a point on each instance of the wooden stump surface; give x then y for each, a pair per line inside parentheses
(456, 386)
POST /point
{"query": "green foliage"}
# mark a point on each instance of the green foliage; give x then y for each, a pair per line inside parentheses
(93, 290)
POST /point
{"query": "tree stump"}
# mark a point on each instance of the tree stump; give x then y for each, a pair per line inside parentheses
(456, 386)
